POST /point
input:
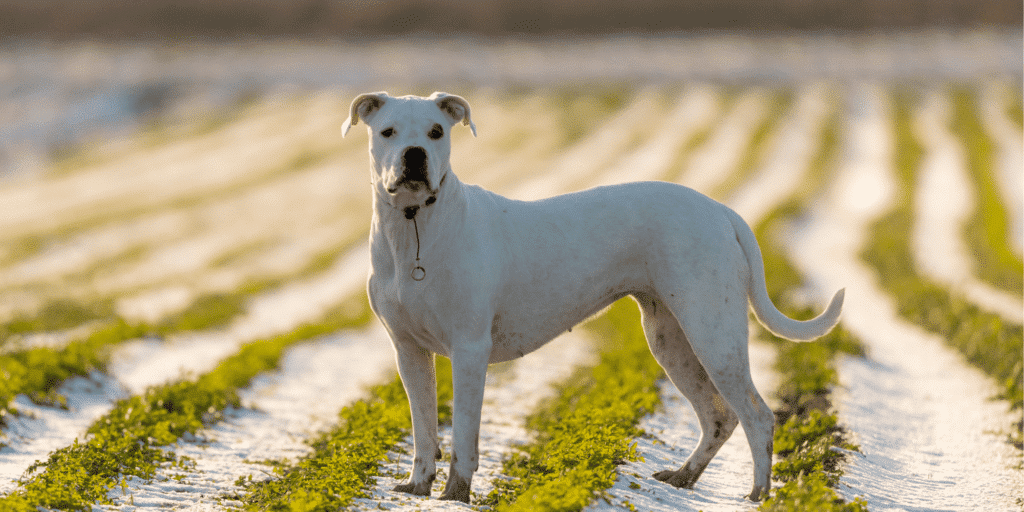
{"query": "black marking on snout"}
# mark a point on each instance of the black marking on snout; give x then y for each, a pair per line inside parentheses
(414, 168)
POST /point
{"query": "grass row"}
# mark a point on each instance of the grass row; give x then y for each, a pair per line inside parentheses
(809, 443)
(989, 227)
(985, 339)
(346, 460)
(585, 431)
(127, 441)
(37, 372)
(754, 152)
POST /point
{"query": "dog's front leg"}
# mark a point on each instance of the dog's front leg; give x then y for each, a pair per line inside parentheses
(469, 372)
(416, 366)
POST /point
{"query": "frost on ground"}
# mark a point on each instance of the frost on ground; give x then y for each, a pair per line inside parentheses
(273, 313)
(929, 439)
(40, 430)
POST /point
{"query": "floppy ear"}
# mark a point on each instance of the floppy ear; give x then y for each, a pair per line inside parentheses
(455, 107)
(364, 106)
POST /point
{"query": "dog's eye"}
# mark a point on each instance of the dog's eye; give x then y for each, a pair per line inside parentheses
(436, 132)
(387, 132)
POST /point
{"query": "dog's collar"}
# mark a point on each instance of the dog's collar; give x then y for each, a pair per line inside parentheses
(418, 272)
(411, 211)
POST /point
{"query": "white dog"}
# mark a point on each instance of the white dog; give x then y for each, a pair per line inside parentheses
(480, 278)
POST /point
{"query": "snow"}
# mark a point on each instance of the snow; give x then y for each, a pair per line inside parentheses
(281, 410)
(670, 436)
(39, 430)
(944, 199)
(929, 439)
(691, 112)
(138, 364)
(275, 312)
(709, 165)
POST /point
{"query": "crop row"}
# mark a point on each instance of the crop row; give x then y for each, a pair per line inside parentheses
(985, 339)
(125, 442)
(807, 431)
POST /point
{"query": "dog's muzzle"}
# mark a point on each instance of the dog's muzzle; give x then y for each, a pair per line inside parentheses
(414, 170)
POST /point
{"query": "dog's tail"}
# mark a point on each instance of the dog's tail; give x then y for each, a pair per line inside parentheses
(764, 309)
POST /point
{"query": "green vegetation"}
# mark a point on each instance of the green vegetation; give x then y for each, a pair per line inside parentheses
(126, 442)
(699, 138)
(1014, 110)
(56, 315)
(582, 113)
(583, 433)
(346, 460)
(753, 153)
(989, 227)
(37, 372)
(985, 339)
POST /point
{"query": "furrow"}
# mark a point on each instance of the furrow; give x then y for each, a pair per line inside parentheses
(921, 417)
(988, 227)
(942, 203)
(270, 314)
(652, 160)
(710, 164)
(575, 166)
(281, 411)
(242, 153)
(139, 364)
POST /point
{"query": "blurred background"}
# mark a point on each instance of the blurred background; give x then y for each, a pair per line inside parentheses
(75, 69)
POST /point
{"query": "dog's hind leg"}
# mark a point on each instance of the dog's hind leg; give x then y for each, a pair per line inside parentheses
(714, 318)
(717, 420)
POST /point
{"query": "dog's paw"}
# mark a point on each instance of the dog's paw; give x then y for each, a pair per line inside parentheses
(456, 489)
(758, 493)
(418, 489)
(683, 478)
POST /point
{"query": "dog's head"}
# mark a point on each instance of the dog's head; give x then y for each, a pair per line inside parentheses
(409, 143)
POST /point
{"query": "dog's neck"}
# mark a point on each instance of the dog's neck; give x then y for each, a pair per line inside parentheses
(402, 232)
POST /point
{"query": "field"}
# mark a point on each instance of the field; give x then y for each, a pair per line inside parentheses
(183, 255)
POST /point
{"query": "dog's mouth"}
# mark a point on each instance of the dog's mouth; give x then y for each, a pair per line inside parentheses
(412, 191)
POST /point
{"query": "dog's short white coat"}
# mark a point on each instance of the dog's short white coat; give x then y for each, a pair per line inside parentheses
(498, 278)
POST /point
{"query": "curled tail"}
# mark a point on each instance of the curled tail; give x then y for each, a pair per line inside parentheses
(757, 292)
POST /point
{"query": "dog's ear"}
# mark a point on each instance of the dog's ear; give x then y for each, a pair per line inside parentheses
(455, 107)
(363, 107)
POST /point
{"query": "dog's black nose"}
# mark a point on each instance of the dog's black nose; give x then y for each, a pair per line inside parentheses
(414, 165)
